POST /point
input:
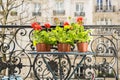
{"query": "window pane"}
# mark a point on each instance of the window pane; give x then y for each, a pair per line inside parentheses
(97, 2)
(77, 7)
(37, 7)
(101, 2)
(59, 5)
(81, 7)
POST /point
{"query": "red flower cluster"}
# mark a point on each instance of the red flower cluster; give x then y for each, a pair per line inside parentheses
(79, 19)
(47, 25)
(36, 26)
(66, 23)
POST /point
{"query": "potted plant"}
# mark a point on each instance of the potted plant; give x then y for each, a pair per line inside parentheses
(65, 37)
(82, 35)
(42, 37)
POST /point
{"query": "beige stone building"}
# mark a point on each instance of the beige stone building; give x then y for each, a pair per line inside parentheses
(106, 12)
(47, 10)
(93, 11)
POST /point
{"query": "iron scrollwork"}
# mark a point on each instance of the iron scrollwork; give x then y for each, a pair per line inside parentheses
(17, 45)
(61, 69)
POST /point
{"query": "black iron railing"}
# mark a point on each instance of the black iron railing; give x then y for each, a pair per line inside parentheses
(16, 44)
(106, 8)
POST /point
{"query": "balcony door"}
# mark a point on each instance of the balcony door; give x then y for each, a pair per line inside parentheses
(79, 7)
(100, 4)
(79, 11)
(108, 5)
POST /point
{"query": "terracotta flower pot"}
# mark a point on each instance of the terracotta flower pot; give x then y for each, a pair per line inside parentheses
(63, 47)
(41, 47)
(48, 47)
(82, 47)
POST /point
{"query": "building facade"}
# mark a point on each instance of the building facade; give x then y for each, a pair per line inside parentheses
(48, 10)
(106, 12)
(94, 12)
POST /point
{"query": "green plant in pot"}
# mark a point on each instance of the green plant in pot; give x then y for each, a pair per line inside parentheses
(65, 37)
(82, 36)
(42, 37)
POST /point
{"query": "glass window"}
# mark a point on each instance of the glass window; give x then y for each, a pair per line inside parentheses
(37, 7)
(100, 4)
(108, 4)
(59, 5)
(79, 7)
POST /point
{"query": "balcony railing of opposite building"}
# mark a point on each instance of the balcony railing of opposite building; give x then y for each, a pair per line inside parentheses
(79, 13)
(58, 12)
(16, 43)
(36, 13)
(104, 8)
(109, 8)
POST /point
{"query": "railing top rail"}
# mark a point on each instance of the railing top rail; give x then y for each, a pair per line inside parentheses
(86, 26)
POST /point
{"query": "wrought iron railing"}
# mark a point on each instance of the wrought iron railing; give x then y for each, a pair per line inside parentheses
(106, 8)
(79, 13)
(16, 43)
(58, 12)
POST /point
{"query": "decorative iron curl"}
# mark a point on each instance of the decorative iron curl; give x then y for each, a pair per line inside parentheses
(59, 64)
(116, 34)
(17, 61)
(103, 46)
(90, 73)
(7, 45)
(30, 38)
(21, 32)
(90, 60)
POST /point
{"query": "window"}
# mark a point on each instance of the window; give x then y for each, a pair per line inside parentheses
(37, 7)
(59, 5)
(79, 7)
(59, 8)
(108, 4)
(100, 4)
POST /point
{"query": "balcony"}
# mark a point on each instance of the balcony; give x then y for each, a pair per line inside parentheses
(58, 12)
(36, 13)
(18, 46)
(109, 9)
(79, 14)
(105, 9)
(99, 9)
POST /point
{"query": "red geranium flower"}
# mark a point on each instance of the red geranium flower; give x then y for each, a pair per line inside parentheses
(36, 26)
(33, 24)
(47, 25)
(66, 23)
(79, 19)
